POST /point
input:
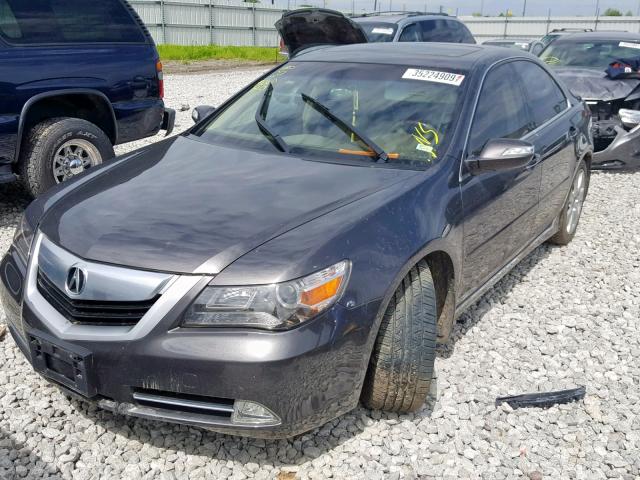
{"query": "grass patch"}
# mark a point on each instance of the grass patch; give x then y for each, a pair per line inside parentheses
(194, 53)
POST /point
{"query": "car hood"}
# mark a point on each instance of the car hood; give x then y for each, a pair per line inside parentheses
(186, 206)
(592, 84)
(309, 27)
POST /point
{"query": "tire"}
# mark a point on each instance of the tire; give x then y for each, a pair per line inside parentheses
(568, 224)
(45, 140)
(401, 366)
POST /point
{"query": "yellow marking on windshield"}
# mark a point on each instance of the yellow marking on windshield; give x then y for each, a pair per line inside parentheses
(426, 137)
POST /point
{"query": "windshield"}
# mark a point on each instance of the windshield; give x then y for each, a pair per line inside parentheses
(340, 111)
(547, 39)
(378, 31)
(594, 54)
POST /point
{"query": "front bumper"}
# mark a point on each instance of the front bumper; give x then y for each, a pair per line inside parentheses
(305, 376)
(623, 153)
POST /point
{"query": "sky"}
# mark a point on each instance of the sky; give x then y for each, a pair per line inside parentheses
(490, 7)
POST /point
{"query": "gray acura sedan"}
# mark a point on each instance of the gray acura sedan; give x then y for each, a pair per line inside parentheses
(306, 244)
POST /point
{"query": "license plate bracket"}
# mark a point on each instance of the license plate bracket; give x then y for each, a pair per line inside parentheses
(64, 363)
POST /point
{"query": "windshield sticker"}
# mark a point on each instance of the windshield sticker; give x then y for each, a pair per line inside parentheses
(433, 76)
(427, 139)
(630, 45)
(383, 31)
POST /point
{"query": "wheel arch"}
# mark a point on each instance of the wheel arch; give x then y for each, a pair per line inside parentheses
(439, 255)
(68, 103)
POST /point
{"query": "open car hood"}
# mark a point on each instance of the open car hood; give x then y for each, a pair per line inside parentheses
(309, 27)
(592, 84)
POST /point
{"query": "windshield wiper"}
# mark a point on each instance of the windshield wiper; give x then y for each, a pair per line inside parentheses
(380, 154)
(261, 114)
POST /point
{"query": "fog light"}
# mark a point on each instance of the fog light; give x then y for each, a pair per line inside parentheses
(251, 413)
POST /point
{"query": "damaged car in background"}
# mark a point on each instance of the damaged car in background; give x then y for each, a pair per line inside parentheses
(306, 244)
(602, 69)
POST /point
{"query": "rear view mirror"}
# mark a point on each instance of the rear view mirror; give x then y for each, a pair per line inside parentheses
(202, 112)
(502, 154)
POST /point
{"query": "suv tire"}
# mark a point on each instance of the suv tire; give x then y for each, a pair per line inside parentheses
(46, 139)
(401, 366)
(568, 224)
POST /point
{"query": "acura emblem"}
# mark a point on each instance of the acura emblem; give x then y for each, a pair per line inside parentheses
(76, 280)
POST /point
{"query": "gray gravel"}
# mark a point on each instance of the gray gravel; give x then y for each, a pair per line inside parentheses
(564, 317)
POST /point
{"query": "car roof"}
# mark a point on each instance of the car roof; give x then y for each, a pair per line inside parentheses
(595, 36)
(401, 18)
(454, 56)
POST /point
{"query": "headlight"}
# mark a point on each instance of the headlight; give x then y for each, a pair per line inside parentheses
(629, 118)
(273, 307)
(23, 238)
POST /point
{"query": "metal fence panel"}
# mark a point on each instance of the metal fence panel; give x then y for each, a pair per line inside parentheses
(232, 22)
(535, 27)
(205, 22)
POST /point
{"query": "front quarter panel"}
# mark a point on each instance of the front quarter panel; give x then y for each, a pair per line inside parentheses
(383, 235)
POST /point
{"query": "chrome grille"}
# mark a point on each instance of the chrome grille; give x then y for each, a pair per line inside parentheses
(93, 312)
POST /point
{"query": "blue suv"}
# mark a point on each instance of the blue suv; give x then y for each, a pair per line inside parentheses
(76, 78)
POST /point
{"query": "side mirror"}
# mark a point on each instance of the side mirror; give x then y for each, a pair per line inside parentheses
(502, 154)
(202, 112)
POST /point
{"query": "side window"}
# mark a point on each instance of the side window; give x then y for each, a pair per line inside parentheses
(410, 33)
(67, 21)
(546, 99)
(429, 31)
(465, 34)
(9, 27)
(502, 110)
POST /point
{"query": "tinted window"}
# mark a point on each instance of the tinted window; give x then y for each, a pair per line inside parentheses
(442, 30)
(546, 99)
(502, 109)
(410, 33)
(379, 32)
(435, 31)
(67, 21)
(459, 32)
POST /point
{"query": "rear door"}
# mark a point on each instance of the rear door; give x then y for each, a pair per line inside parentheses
(555, 135)
(306, 28)
(499, 207)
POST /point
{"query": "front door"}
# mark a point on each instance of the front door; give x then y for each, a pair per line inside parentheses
(499, 207)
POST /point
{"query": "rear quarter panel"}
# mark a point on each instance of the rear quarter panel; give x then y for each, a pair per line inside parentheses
(124, 73)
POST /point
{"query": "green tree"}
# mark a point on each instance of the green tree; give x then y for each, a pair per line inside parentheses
(612, 12)
(476, 14)
(629, 13)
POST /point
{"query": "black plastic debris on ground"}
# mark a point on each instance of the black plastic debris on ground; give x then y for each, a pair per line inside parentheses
(543, 399)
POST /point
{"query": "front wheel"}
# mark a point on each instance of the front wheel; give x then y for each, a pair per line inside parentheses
(59, 148)
(401, 366)
(570, 214)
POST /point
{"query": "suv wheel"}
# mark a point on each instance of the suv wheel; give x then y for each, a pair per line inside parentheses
(401, 367)
(60, 148)
(570, 214)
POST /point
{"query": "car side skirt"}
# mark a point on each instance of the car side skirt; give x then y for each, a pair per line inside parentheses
(473, 297)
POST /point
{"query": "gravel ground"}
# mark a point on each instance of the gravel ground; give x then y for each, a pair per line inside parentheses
(563, 317)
